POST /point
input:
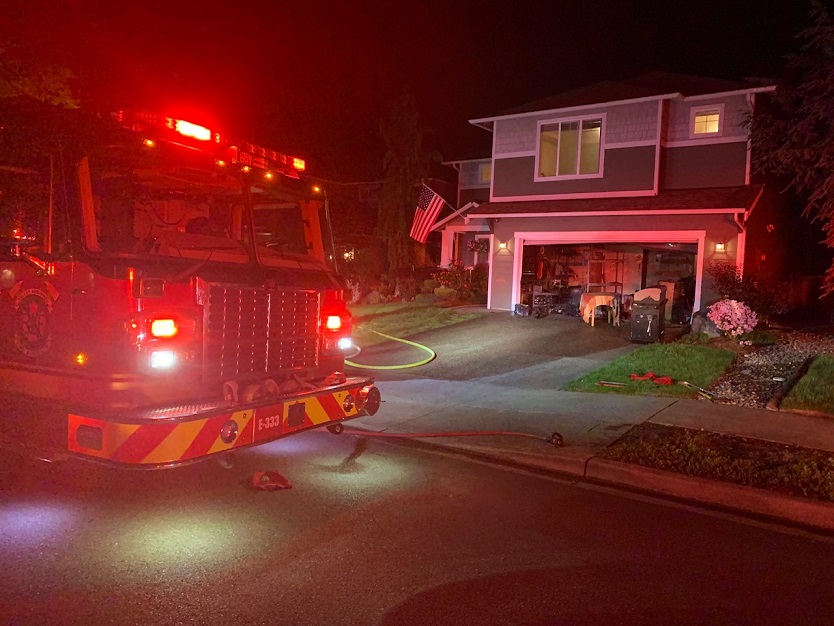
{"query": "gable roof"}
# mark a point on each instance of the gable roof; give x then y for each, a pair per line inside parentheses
(646, 86)
(716, 199)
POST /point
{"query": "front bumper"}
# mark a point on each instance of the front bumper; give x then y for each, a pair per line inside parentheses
(170, 436)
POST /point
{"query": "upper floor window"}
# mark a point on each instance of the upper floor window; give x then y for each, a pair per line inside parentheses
(570, 148)
(484, 173)
(706, 121)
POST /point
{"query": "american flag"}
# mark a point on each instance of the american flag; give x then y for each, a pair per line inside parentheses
(428, 207)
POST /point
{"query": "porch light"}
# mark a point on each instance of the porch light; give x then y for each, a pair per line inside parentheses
(502, 245)
(719, 246)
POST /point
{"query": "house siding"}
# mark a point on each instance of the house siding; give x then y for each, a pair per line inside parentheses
(626, 169)
(623, 124)
(708, 165)
(465, 196)
(735, 113)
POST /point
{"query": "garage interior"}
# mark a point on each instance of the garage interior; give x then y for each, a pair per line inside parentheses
(555, 276)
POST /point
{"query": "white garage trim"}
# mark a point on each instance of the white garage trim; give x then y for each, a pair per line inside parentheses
(542, 238)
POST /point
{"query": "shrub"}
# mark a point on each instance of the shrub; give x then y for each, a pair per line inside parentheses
(479, 281)
(426, 298)
(694, 338)
(406, 287)
(760, 338)
(761, 293)
(733, 317)
(456, 276)
(446, 293)
(429, 285)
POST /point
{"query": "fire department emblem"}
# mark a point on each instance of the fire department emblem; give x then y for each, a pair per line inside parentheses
(33, 315)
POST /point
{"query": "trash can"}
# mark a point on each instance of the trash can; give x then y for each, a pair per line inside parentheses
(647, 315)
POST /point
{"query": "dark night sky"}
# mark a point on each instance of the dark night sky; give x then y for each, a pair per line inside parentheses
(314, 77)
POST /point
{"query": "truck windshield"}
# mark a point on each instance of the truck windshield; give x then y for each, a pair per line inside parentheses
(190, 213)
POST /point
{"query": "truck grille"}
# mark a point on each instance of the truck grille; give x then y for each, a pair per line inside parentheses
(258, 331)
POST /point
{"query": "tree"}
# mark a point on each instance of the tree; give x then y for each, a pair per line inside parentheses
(406, 161)
(24, 73)
(794, 136)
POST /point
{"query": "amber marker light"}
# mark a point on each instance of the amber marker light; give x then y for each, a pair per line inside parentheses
(80, 359)
(164, 328)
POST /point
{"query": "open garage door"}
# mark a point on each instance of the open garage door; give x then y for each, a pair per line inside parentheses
(554, 269)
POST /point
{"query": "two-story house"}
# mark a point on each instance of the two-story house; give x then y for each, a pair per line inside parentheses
(611, 188)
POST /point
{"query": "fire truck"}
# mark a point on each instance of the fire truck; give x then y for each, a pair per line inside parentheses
(165, 292)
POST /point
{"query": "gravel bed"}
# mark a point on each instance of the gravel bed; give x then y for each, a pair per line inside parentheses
(759, 372)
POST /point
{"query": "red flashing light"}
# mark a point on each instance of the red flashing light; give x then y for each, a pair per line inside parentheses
(196, 131)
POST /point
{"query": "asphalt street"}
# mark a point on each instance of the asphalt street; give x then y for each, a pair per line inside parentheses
(374, 532)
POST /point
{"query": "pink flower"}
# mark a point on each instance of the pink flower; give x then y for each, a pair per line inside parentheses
(733, 317)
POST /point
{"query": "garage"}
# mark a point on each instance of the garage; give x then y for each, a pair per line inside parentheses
(553, 270)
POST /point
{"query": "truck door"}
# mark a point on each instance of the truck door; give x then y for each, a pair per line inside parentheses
(35, 280)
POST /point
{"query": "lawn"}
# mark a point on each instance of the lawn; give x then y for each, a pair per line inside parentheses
(814, 391)
(401, 319)
(696, 364)
(763, 464)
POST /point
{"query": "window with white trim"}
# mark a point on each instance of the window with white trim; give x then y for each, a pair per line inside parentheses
(570, 148)
(706, 121)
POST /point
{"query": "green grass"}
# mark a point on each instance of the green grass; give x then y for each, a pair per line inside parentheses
(815, 390)
(401, 319)
(763, 464)
(696, 364)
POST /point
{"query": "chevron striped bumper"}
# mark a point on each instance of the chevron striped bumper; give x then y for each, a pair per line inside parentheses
(177, 435)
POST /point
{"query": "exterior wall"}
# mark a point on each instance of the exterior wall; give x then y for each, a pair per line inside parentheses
(626, 169)
(465, 196)
(706, 165)
(718, 228)
(624, 165)
(735, 112)
(625, 123)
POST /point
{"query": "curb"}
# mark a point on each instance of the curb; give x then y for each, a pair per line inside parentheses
(584, 465)
(737, 497)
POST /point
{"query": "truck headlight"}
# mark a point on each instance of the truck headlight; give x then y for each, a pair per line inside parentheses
(161, 359)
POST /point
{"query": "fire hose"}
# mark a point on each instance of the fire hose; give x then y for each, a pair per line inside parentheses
(553, 438)
(431, 357)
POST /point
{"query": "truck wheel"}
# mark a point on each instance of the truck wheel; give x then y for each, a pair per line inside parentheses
(336, 429)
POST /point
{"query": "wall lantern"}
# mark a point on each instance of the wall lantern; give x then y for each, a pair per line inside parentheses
(502, 245)
(720, 247)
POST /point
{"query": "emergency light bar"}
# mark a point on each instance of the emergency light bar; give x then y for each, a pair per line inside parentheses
(192, 130)
(247, 155)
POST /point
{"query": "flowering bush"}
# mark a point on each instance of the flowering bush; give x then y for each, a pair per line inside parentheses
(456, 276)
(733, 317)
(477, 245)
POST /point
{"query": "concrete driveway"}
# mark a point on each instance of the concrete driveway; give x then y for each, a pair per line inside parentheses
(505, 373)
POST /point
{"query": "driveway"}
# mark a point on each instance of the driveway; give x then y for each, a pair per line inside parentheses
(507, 349)
(504, 373)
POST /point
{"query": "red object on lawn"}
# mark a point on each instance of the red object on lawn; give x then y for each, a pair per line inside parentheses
(663, 380)
(646, 376)
(270, 481)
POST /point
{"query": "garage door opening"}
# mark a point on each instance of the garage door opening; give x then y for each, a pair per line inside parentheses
(554, 276)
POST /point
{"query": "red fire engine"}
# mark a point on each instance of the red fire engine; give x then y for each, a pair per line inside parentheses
(164, 291)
